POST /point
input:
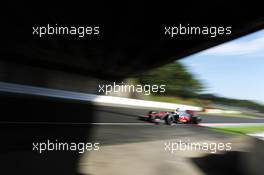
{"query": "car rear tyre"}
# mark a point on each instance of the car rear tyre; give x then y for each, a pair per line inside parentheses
(194, 120)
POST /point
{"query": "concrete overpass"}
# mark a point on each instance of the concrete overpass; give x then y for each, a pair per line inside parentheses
(131, 41)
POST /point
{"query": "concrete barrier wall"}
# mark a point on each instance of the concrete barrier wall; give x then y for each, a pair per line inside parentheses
(126, 102)
(95, 99)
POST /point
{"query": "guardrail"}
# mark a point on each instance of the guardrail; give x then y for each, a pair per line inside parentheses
(95, 99)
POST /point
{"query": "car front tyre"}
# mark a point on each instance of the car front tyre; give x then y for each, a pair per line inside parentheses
(169, 119)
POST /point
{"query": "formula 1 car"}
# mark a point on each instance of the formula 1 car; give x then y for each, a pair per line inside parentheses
(187, 117)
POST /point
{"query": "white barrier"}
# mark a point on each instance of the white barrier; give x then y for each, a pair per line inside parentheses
(220, 111)
(95, 99)
(127, 102)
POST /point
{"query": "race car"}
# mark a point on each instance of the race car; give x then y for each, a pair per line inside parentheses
(186, 116)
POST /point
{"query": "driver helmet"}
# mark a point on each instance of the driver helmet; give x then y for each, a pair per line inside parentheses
(177, 110)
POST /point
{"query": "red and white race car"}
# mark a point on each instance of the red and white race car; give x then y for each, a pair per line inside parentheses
(186, 116)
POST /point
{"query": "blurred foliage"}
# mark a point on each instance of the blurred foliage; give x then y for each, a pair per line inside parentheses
(178, 81)
(183, 87)
(232, 102)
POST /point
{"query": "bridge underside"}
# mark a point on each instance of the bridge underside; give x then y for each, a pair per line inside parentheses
(131, 41)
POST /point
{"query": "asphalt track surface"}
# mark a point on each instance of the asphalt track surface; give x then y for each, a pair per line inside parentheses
(115, 125)
(47, 113)
(130, 115)
(37, 119)
(28, 119)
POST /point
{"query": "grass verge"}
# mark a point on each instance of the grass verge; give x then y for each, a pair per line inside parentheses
(241, 130)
